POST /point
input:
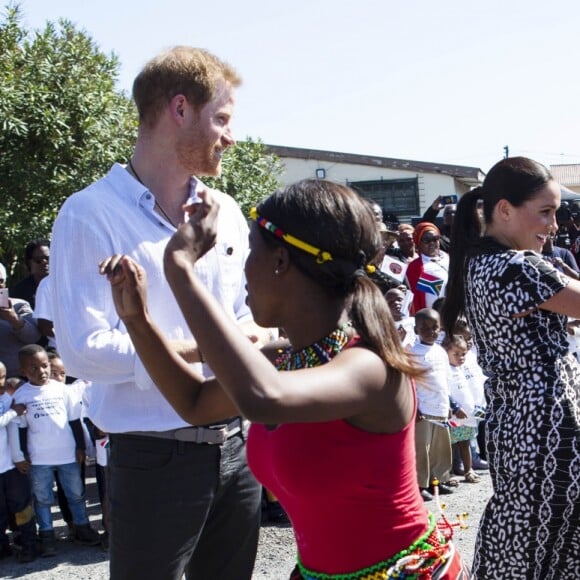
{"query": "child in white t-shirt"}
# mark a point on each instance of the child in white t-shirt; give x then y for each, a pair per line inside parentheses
(476, 378)
(15, 497)
(53, 440)
(58, 373)
(432, 443)
(462, 399)
(405, 324)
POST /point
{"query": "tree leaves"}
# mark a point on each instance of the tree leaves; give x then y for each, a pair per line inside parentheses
(62, 125)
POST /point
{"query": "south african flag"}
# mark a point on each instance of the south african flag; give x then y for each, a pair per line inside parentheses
(430, 284)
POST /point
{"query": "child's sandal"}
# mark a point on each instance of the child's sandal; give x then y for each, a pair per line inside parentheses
(472, 477)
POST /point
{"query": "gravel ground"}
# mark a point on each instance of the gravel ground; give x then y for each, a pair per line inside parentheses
(276, 552)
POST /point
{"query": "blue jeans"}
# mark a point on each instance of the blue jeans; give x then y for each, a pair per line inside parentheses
(42, 479)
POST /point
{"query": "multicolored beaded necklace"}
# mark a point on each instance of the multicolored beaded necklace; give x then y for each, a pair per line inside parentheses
(316, 354)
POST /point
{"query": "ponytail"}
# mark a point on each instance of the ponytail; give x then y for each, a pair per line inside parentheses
(465, 236)
(372, 318)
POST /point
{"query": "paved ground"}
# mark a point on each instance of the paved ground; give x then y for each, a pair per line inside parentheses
(276, 555)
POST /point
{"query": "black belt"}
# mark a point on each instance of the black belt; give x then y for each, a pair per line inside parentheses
(209, 434)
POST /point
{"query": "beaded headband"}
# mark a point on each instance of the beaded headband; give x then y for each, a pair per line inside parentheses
(321, 255)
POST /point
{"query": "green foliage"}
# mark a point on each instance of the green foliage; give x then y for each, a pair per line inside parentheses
(62, 124)
(249, 173)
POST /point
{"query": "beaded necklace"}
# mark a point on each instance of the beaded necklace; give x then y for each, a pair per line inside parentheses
(316, 354)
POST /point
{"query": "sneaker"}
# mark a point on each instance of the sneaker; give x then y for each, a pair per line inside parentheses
(27, 554)
(86, 536)
(47, 543)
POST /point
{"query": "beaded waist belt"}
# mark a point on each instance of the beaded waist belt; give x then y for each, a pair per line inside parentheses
(422, 559)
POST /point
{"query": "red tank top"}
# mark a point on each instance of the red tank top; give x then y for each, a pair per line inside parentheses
(352, 496)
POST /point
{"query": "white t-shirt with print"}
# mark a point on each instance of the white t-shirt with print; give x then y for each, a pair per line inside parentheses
(49, 409)
(460, 391)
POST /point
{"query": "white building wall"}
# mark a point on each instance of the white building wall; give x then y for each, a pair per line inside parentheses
(431, 185)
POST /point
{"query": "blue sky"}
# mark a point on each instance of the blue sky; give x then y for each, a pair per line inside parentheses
(451, 81)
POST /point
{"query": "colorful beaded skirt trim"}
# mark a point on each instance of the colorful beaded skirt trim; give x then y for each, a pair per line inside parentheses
(420, 560)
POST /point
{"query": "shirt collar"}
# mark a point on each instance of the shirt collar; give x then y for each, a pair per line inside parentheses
(139, 192)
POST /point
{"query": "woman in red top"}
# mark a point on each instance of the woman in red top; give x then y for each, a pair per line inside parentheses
(333, 439)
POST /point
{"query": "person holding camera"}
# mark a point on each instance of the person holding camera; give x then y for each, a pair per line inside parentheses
(447, 203)
(17, 327)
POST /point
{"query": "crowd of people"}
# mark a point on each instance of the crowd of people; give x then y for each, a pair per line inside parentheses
(401, 364)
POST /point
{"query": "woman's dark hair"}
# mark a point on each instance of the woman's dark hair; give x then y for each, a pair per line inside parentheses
(515, 179)
(335, 219)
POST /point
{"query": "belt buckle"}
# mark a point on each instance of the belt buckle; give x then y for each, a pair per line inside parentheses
(215, 435)
(202, 435)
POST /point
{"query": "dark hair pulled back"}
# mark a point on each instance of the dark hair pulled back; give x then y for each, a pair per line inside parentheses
(515, 179)
(335, 219)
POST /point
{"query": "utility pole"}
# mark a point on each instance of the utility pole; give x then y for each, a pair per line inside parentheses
(506, 150)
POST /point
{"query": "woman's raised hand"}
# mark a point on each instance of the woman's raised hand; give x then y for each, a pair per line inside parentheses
(128, 284)
(196, 236)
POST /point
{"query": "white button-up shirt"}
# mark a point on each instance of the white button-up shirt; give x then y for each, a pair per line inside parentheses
(116, 215)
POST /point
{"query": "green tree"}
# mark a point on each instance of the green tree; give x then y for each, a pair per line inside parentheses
(62, 124)
(249, 173)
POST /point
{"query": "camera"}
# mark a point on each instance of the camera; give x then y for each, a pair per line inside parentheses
(448, 199)
(4, 300)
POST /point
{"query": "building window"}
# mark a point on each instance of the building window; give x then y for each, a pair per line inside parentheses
(395, 196)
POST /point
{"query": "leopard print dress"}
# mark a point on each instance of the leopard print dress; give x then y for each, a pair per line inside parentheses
(530, 528)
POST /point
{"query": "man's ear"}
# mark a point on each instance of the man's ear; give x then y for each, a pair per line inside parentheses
(178, 108)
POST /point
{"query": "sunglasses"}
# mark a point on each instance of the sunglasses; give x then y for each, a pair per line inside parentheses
(41, 259)
(429, 239)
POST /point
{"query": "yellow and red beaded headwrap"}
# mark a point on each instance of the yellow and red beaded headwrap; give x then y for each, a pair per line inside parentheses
(321, 255)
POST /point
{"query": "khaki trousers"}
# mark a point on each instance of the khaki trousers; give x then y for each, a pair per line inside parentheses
(433, 451)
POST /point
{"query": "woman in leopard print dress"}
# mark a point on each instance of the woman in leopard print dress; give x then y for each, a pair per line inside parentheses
(517, 305)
